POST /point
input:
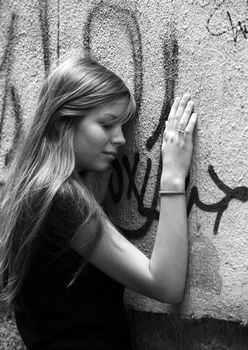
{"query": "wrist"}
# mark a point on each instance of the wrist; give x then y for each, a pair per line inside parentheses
(172, 184)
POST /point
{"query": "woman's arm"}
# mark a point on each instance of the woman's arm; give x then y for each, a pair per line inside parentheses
(161, 277)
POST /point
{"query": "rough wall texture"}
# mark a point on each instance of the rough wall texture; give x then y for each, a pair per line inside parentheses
(161, 48)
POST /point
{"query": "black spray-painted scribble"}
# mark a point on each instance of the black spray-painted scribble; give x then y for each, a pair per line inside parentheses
(10, 92)
(11, 96)
(128, 20)
(236, 28)
(45, 37)
(170, 68)
(239, 193)
(170, 54)
(126, 166)
(130, 167)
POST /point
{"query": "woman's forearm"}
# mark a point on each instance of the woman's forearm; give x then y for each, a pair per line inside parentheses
(168, 263)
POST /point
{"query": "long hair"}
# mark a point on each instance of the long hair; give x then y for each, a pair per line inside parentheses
(45, 164)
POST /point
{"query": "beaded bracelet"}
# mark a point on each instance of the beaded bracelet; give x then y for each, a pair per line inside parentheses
(170, 192)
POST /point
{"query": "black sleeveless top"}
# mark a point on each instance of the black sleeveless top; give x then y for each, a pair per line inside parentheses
(52, 314)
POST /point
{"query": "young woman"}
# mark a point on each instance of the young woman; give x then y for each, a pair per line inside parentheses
(63, 264)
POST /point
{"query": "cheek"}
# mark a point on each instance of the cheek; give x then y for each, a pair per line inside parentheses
(97, 136)
(92, 140)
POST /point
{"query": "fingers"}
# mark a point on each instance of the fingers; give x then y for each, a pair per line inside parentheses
(172, 114)
(180, 114)
(181, 110)
(174, 108)
(182, 123)
(190, 126)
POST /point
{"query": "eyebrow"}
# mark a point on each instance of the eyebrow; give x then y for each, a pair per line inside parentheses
(110, 115)
(112, 118)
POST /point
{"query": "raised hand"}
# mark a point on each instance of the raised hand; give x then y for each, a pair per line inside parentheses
(178, 144)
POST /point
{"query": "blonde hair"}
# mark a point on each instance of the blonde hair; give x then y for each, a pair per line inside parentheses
(45, 164)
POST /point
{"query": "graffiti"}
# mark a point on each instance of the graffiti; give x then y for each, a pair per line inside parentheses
(150, 213)
(170, 51)
(44, 26)
(128, 166)
(170, 54)
(128, 20)
(236, 28)
(239, 193)
(10, 93)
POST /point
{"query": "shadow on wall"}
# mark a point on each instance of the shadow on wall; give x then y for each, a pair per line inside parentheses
(159, 331)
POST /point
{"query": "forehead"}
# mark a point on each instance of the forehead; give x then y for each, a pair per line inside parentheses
(115, 108)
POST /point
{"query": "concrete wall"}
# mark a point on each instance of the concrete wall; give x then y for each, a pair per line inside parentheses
(161, 48)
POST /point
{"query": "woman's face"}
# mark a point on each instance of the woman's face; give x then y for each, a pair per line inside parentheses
(97, 138)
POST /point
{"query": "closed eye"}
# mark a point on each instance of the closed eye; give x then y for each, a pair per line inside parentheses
(106, 126)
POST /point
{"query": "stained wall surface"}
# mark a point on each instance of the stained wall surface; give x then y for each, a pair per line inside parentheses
(161, 49)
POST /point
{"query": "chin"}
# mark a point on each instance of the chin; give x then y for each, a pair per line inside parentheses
(101, 167)
(106, 167)
(97, 167)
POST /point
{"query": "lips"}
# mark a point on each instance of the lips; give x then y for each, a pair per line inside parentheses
(114, 154)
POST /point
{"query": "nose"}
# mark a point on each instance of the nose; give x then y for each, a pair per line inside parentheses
(118, 137)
